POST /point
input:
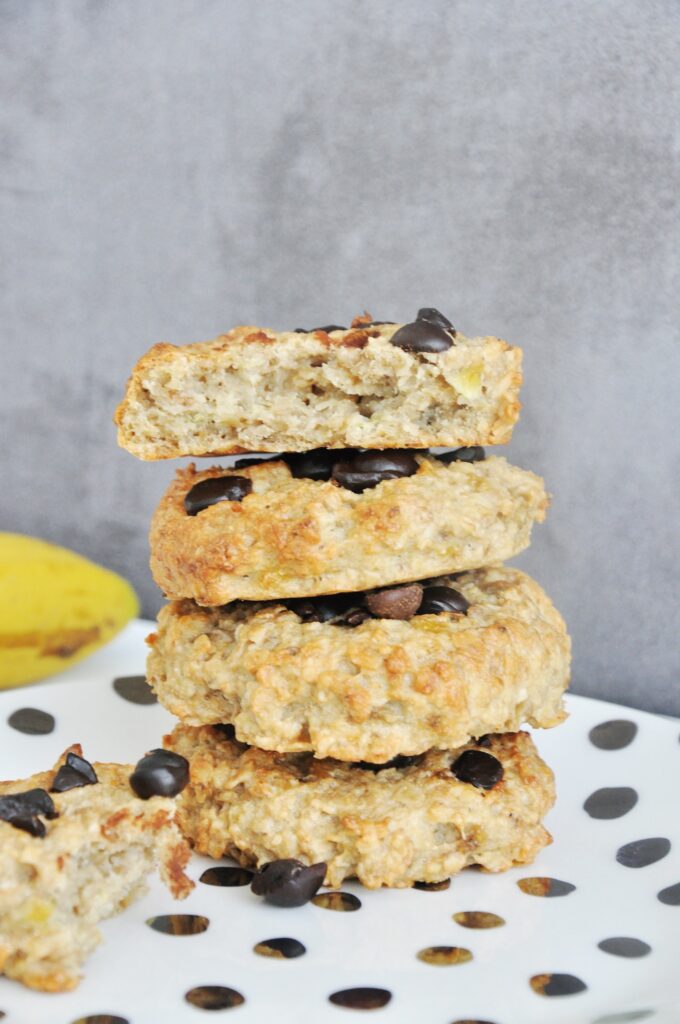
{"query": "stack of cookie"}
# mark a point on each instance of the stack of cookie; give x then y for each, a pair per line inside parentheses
(349, 659)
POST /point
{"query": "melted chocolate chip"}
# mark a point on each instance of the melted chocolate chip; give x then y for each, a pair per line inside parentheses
(433, 316)
(288, 883)
(474, 453)
(76, 772)
(399, 762)
(478, 769)
(368, 469)
(442, 599)
(160, 773)
(313, 465)
(22, 809)
(422, 336)
(215, 489)
(395, 602)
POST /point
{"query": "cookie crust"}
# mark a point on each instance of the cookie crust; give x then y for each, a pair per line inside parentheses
(255, 389)
(296, 537)
(92, 862)
(393, 827)
(384, 688)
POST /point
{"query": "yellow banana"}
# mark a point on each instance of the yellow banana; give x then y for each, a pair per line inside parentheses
(56, 607)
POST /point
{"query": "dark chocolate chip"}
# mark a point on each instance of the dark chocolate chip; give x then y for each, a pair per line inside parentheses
(422, 336)
(354, 617)
(160, 773)
(474, 453)
(395, 602)
(280, 949)
(322, 608)
(442, 599)
(361, 998)
(368, 469)
(643, 852)
(433, 316)
(214, 997)
(288, 883)
(226, 729)
(214, 490)
(22, 809)
(258, 460)
(76, 772)
(31, 721)
(399, 762)
(484, 741)
(313, 465)
(179, 924)
(478, 768)
(227, 877)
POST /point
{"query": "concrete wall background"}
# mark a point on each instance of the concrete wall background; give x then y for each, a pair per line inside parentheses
(172, 167)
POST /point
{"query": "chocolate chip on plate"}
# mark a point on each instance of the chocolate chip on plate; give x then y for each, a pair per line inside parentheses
(433, 316)
(22, 809)
(474, 453)
(313, 465)
(215, 489)
(438, 599)
(160, 773)
(368, 469)
(399, 762)
(74, 773)
(395, 602)
(478, 769)
(288, 883)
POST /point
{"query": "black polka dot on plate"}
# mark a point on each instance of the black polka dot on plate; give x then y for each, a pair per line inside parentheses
(627, 1017)
(214, 997)
(670, 895)
(470, 1021)
(613, 735)
(643, 852)
(342, 901)
(361, 998)
(543, 886)
(622, 945)
(179, 924)
(32, 721)
(557, 984)
(445, 956)
(227, 876)
(433, 886)
(98, 1018)
(135, 689)
(478, 919)
(280, 949)
(610, 802)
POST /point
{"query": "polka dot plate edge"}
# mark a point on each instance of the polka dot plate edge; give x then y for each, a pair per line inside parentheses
(585, 935)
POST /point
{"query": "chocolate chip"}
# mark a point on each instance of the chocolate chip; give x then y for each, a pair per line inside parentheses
(422, 336)
(474, 453)
(322, 608)
(76, 772)
(478, 769)
(399, 762)
(288, 883)
(256, 461)
(160, 773)
(22, 809)
(433, 316)
(368, 469)
(395, 602)
(313, 465)
(226, 729)
(215, 489)
(442, 599)
(354, 617)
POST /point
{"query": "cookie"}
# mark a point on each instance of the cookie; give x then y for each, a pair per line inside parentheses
(76, 845)
(421, 820)
(355, 686)
(282, 535)
(260, 390)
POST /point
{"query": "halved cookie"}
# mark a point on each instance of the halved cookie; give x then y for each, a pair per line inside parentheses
(371, 386)
(420, 820)
(355, 687)
(262, 531)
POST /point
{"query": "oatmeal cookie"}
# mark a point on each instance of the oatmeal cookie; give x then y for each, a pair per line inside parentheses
(282, 535)
(419, 820)
(76, 845)
(353, 687)
(255, 389)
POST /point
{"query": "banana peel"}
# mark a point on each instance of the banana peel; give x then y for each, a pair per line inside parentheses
(56, 607)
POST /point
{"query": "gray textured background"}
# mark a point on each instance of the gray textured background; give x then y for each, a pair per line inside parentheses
(171, 167)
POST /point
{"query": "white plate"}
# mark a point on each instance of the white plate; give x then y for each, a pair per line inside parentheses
(142, 976)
